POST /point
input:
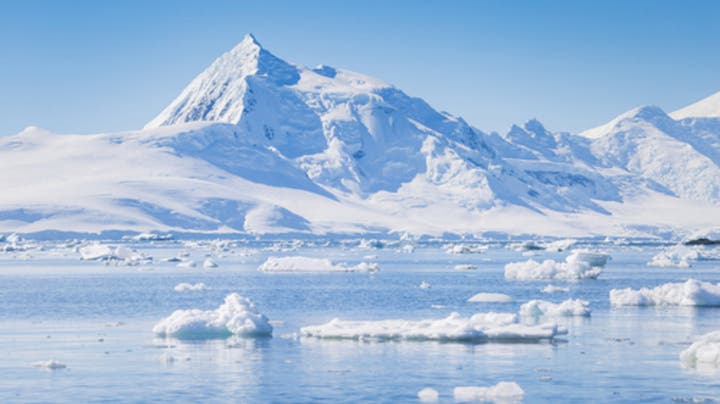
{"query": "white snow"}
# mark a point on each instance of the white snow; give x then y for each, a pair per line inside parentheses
(50, 364)
(704, 352)
(577, 266)
(560, 245)
(689, 293)
(112, 255)
(187, 263)
(490, 298)
(309, 264)
(479, 327)
(681, 256)
(236, 316)
(190, 287)
(568, 308)
(554, 289)
(428, 395)
(706, 108)
(502, 392)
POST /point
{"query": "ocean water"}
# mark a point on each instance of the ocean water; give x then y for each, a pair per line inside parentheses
(97, 320)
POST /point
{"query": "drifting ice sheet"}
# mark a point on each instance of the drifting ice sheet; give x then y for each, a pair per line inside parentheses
(579, 265)
(428, 395)
(189, 287)
(568, 308)
(490, 298)
(689, 293)
(479, 327)
(501, 392)
(237, 316)
(306, 264)
(705, 352)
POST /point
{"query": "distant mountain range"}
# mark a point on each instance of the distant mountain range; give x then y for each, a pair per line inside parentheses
(257, 145)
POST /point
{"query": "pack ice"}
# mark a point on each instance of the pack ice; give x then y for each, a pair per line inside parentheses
(479, 327)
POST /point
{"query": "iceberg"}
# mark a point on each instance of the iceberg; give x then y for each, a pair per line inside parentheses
(689, 293)
(501, 392)
(236, 316)
(465, 249)
(465, 267)
(479, 327)
(307, 264)
(578, 265)
(705, 352)
(490, 298)
(568, 308)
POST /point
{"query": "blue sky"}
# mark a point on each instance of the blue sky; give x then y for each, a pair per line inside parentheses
(92, 66)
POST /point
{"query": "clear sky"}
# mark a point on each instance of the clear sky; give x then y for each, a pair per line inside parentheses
(95, 66)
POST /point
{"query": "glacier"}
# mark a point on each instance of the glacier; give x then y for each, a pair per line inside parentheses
(257, 145)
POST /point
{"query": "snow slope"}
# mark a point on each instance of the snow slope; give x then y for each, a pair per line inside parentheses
(255, 144)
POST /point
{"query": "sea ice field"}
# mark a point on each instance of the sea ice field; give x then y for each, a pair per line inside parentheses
(155, 319)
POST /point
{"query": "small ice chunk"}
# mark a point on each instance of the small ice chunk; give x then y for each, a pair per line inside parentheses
(50, 364)
(189, 287)
(424, 285)
(187, 264)
(525, 246)
(209, 263)
(479, 327)
(307, 264)
(568, 308)
(167, 358)
(490, 298)
(465, 267)
(689, 293)
(554, 289)
(465, 249)
(678, 256)
(705, 352)
(428, 395)
(501, 392)
(96, 252)
(237, 316)
(579, 265)
(560, 245)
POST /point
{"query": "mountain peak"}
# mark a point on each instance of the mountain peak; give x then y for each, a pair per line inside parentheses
(708, 107)
(218, 93)
(648, 113)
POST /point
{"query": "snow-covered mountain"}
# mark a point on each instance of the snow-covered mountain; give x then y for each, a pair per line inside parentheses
(258, 145)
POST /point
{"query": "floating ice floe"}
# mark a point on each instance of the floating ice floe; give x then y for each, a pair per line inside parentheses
(578, 265)
(112, 255)
(209, 263)
(237, 316)
(705, 352)
(428, 395)
(525, 246)
(681, 256)
(560, 245)
(689, 293)
(479, 327)
(568, 308)
(490, 298)
(51, 364)
(189, 287)
(407, 249)
(465, 267)
(465, 248)
(307, 264)
(424, 285)
(554, 289)
(149, 237)
(371, 244)
(187, 264)
(501, 392)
